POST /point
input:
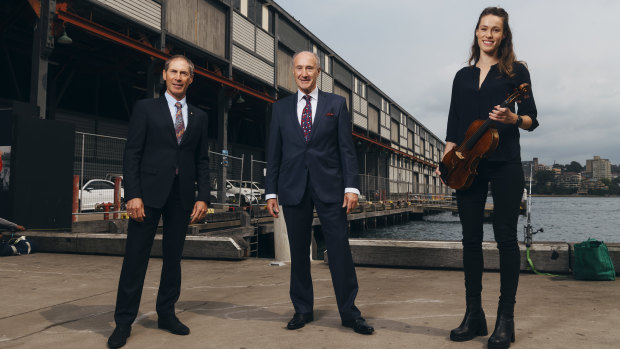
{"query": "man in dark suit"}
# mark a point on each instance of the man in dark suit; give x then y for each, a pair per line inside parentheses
(165, 155)
(312, 163)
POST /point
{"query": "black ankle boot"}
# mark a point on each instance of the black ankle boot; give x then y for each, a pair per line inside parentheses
(474, 324)
(504, 332)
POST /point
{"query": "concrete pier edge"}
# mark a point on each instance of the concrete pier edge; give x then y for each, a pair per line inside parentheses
(550, 257)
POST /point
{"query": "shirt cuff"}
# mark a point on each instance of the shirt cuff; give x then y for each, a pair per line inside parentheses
(271, 196)
(352, 190)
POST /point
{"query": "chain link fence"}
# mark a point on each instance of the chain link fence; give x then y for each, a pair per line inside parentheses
(97, 161)
(228, 187)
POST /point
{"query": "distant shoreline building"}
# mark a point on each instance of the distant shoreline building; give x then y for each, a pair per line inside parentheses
(598, 168)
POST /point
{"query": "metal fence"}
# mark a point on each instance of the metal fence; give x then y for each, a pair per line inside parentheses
(228, 186)
(235, 181)
(258, 171)
(97, 161)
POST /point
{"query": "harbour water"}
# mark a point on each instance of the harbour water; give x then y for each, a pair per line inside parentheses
(568, 219)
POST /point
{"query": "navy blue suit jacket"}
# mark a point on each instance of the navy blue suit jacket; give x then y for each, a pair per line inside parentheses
(152, 155)
(328, 159)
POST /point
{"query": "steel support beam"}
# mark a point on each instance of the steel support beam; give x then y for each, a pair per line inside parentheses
(124, 40)
(42, 46)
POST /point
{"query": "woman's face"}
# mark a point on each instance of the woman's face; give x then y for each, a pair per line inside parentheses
(490, 34)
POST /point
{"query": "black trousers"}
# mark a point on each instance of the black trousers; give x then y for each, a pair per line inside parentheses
(507, 183)
(333, 218)
(140, 237)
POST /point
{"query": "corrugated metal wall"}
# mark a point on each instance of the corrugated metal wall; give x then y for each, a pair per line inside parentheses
(327, 83)
(245, 34)
(144, 11)
(264, 45)
(360, 120)
(252, 65)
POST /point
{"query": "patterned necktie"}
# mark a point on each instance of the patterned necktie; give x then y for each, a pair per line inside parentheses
(306, 118)
(179, 125)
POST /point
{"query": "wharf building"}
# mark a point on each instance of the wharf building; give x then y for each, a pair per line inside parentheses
(74, 69)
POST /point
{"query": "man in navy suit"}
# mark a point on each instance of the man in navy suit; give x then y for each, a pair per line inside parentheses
(312, 164)
(165, 155)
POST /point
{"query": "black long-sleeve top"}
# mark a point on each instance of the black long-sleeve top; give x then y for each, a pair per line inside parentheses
(470, 103)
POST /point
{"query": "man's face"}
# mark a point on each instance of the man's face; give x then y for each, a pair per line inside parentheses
(178, 78)
(306, 72)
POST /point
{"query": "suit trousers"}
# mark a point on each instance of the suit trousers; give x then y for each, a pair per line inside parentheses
(333, 218)
(507, 183)
(140, 237)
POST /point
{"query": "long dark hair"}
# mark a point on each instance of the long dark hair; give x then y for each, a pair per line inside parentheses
(505, 53)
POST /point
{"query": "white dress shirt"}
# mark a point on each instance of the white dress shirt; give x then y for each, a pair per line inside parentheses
(301, 104)
(173, 109)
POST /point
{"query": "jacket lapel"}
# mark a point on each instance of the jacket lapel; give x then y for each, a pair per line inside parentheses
(190, 123)
(293, 112)
(319, 114)
(165, 113)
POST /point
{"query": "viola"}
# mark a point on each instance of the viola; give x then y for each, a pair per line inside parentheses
(459, 166)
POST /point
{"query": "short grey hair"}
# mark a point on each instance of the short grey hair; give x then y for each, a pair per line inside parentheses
(316, 57)
(189, 62)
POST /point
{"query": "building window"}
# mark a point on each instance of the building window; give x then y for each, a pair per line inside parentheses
(256, 12)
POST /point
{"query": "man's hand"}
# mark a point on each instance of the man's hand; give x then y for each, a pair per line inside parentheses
(350, 201)
(20, 228)
(199, 213)
(135, 209)
(272, 207)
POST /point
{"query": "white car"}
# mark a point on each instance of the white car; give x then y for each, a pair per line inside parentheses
(98, 191)
(250, 191)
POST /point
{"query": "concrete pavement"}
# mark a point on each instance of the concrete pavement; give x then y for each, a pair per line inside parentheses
(67, 301)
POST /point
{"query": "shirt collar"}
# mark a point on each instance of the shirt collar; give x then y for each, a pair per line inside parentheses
(314, 94)
(172, 101)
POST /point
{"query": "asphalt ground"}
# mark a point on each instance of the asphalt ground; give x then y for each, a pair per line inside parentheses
(67, 301)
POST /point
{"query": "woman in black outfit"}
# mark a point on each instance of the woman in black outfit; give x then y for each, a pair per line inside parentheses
(478, 89)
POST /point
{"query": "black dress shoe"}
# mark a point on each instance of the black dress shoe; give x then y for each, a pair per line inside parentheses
(299, 320)
(118, 338)
(359, 325)
(173, 325)
(504, 332)
(474, 324)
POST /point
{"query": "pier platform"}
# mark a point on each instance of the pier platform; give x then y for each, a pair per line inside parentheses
(67, 301)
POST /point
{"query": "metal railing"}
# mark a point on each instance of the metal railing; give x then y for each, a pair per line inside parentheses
(377, 188)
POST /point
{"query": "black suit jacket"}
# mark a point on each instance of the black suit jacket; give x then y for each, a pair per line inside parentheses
(152, 155)
(328, 158)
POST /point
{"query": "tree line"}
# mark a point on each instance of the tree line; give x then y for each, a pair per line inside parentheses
(546, 181)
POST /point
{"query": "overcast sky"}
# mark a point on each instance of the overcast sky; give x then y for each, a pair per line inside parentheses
(411, 50)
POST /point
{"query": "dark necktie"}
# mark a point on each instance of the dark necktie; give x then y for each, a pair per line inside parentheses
(179, 125)
(306, 118)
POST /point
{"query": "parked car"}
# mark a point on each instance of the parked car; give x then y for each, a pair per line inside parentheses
(230, 198)
(98, 191)
(250, 192)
